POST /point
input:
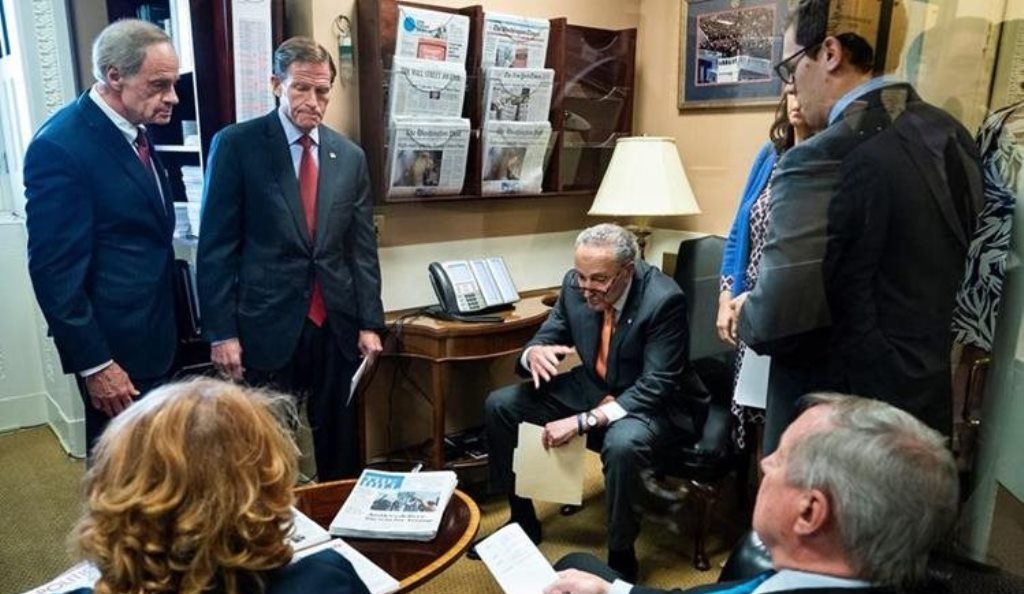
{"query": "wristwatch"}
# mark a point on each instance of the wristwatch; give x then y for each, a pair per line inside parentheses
(591, 421)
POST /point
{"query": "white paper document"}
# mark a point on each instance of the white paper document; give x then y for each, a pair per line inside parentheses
(518, 94)
(251, 35)
(426, 88)
(376, 579)
(515, 562)
(514, 41)
(554, 474)
(356, 377)
(431, 35)
(752, 383)
(427, 157)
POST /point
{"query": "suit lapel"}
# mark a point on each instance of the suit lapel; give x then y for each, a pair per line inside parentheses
(165, 186)
(114, 142)
(284, 172)
(327, 178)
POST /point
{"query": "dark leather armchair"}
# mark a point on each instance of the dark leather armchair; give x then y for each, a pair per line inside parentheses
(700, 469)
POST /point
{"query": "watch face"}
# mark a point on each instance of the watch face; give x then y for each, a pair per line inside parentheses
(591, 420)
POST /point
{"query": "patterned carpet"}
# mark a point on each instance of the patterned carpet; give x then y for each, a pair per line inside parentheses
(39, 496)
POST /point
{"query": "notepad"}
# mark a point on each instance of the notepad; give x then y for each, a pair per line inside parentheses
(515, 562)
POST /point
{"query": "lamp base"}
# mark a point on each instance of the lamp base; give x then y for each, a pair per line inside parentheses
(642, 231)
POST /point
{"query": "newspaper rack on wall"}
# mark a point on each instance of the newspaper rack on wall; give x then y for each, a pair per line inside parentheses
(395, 505)
(431, 35)
(514, 41)
(427, 157)
(518, 94)
(426, 88)
(513, 157)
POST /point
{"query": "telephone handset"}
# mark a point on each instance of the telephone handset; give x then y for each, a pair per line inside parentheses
(472, 286)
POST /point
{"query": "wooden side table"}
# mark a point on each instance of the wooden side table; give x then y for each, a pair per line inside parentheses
(411, 563)
(442, 342)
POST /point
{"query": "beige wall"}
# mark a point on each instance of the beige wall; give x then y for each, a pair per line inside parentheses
(716, 146)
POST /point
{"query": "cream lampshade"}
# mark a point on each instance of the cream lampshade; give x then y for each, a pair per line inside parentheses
(645, 179)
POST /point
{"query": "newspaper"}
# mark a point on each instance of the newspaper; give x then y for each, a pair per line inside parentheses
(431, 35)
(514, 41)
(426, 88)
(518, 94)
(427, 157)
(395, 505)
(305, 532)
(513, 157)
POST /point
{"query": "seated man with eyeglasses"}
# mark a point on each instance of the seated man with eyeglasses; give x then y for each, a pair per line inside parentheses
(634, 391)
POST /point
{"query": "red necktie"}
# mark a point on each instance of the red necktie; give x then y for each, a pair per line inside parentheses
(308, 179)
(601, 365)
(142, 146)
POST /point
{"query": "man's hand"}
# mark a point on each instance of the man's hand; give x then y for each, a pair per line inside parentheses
(727, 316)
(369, 344)
(543, 361)
(578, 582)
(227, 358)
(110, 389)
(560, 432)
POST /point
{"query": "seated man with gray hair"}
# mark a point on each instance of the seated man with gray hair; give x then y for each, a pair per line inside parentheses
(853, 500)
(633, 393)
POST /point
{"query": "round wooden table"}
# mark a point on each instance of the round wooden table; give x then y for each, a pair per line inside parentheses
(411, 563)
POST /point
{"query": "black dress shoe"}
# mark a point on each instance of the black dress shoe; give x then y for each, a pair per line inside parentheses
(533, 532)
(624, 562)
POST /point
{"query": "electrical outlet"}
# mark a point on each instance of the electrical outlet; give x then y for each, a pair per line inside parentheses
(378, 226)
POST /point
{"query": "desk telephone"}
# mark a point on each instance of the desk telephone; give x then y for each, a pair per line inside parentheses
(472, 286)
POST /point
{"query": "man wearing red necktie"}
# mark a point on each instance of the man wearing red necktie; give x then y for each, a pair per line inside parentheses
(100, 222)
(633, 391)
(288, 276)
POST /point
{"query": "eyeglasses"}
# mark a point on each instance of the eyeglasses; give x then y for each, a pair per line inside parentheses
(786, 69)
(594, 286)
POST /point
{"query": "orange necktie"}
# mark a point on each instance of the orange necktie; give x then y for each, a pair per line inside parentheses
(601, 365)
(308, 180)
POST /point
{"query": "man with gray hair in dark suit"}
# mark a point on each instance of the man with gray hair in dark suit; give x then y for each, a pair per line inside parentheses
(633, 392)
(852, 502)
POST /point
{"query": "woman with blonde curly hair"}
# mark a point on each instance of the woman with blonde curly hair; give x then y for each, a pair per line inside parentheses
(190, 491)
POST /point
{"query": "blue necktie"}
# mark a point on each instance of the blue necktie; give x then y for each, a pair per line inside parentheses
(747, 587)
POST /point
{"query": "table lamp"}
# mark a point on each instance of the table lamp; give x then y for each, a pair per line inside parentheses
(645, 179)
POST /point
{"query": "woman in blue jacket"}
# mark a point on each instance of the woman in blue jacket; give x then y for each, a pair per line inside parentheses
(747, 237)
(190, 491)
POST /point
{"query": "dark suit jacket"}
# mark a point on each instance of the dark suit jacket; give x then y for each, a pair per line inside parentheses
(325, 572)
(256, 261)
(99, 245)
(870, 221)
(648, 367)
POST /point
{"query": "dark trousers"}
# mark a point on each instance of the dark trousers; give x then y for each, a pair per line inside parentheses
(320, 373)
(96, 420)
(625, 447)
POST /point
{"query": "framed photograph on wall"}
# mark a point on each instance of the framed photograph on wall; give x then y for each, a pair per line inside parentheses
(727, 50)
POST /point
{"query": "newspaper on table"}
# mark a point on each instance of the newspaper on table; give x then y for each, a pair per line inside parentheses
(513, 156)
(426, 88)
(518, 94)
(395, 505)
(514, 41)
(427, 157)
(83, 575)
(431, 35)
(305, 532)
